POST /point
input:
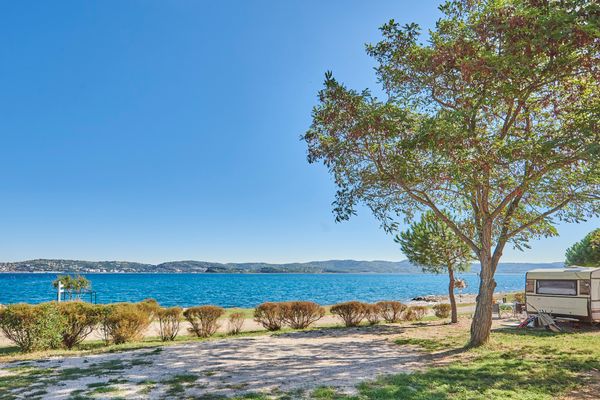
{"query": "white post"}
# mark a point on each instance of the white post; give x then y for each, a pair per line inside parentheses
(59, 291)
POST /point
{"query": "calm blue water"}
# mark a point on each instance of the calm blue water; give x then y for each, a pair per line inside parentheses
(246, 290)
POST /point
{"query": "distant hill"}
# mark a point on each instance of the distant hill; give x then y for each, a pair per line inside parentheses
(316, 267)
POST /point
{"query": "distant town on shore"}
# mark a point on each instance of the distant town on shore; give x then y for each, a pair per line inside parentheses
(314, 267)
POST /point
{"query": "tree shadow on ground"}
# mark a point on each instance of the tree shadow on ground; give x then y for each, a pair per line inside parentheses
(343, 331)
(517, 364)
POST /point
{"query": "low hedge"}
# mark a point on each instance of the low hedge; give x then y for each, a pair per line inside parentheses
(33, 327)
(126, 322)
(373, 313)
(269, 315)
(442, 310)
(391, 311)
(235, 323)
(417, 313)
(204, 319)
(301, 314)
(169, 321)
(80, 321)
(351, 312)
(53, 325)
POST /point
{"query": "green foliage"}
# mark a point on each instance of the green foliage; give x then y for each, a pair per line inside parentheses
(442, 310)
(492, 120)
(510, 367)
(32, 327)
(434, 246)
(494, 117)
(301, 314)
(391, 311)
(269, 315)
(351, 312)
(73, 285)
(80, 320)
(204, 319)
(169, 320)
(585, 253)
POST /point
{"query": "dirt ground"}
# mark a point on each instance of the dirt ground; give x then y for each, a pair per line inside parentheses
(291, 362)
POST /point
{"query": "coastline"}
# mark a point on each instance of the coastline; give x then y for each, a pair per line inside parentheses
(465, 303)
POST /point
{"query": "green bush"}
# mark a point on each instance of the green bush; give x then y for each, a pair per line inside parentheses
(169, 320)
(391, 311)
(80, 320)
(442, 310)
(373, 313)
(351, 312)
(235, 323)
(126, 322)
(204, 319)
(269, 315)
(301, 314)
(32, 327)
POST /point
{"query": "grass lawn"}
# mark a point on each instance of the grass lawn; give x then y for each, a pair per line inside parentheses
(516, 364)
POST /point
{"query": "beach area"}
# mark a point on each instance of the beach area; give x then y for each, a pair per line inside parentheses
(466, 304)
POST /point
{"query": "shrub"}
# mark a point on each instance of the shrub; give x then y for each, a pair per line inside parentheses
(126, 322)
(80, 320)
(150, 306)
(391, 311)
(520, 297)
(373, 313)
(351, 312)
(204, 319)
(269, 315)
(169, 320)
(235, 323)
(409, 315)
(442, 310)
(32, 327)
(301, 314)
(419, 312)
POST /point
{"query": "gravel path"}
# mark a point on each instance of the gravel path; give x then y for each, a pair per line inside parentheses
(291, 362)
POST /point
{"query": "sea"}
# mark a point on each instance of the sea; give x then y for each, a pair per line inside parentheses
(246, 290)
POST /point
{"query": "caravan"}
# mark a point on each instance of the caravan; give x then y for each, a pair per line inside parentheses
(570, 292)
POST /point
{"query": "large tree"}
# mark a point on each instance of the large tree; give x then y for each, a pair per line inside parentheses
(433, 246)
(492, 119)
(586, 252)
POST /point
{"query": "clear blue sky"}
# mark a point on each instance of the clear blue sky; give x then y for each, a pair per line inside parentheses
(168, 130)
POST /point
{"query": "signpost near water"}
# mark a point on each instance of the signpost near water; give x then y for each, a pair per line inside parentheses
(59, 291)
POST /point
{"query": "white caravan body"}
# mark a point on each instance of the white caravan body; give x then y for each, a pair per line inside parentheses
(569, 292)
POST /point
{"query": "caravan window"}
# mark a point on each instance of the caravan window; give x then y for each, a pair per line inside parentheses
(563, 287)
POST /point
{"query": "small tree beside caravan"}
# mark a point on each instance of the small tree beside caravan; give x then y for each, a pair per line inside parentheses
(434, 247)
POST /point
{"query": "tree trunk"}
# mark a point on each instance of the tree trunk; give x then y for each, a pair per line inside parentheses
(454, 315)
(482, 319)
